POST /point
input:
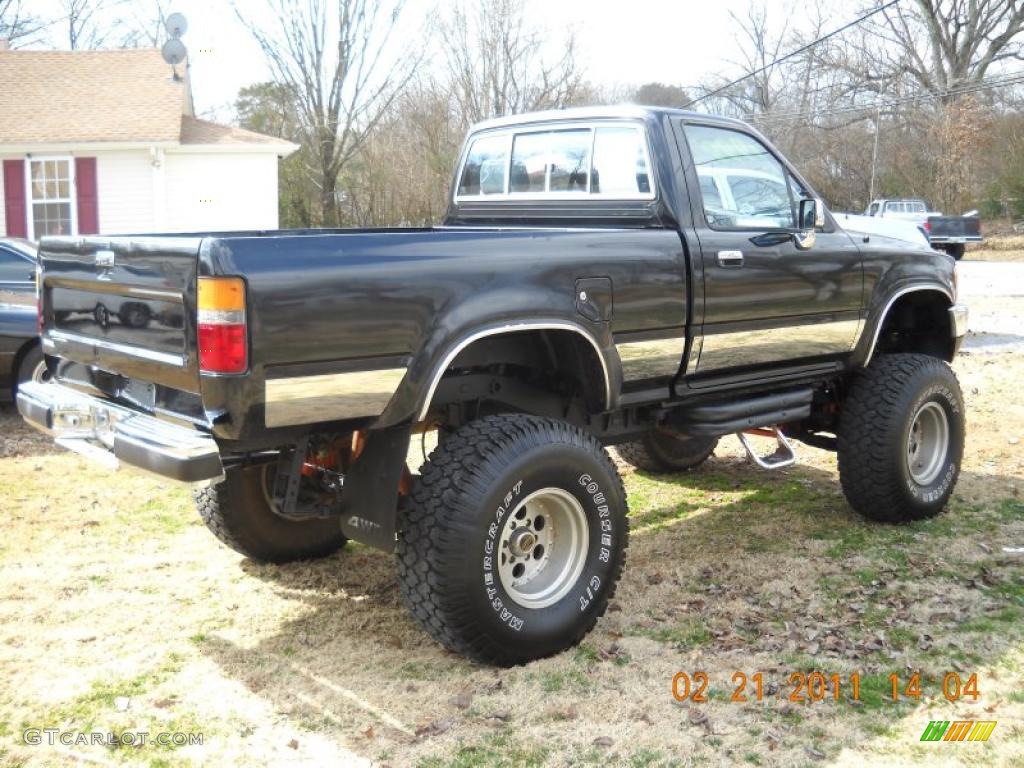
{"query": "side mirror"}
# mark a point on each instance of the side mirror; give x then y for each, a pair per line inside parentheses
(812, 214)
(810, 218)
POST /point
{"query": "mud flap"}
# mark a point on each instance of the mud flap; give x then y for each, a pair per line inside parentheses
(369, 501)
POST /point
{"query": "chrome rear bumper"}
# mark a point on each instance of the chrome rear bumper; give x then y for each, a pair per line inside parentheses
(112, 434)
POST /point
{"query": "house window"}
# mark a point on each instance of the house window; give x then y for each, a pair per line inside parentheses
(51, 192)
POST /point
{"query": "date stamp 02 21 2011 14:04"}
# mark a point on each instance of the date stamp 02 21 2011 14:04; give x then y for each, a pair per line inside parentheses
(813, 687)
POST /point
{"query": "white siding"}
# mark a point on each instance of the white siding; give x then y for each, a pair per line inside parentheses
(210, 192)
(124, 182)
(200, 191)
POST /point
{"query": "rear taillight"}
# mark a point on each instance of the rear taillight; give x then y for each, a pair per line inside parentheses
(223, 337)
(927, 227)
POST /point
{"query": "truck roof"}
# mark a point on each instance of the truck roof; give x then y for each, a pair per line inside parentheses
(611, 111)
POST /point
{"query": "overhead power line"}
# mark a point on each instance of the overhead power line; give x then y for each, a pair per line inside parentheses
(1002, 81)
(791, 54)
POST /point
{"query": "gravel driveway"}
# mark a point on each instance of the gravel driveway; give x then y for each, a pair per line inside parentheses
(994, 291)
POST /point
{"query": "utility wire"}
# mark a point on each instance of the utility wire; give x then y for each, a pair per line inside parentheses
(999, 82)
(791, 54)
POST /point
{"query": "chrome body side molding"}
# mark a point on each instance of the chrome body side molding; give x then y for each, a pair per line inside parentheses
(330, 397)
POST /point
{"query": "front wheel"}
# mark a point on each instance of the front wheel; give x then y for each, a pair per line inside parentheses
(901, 438)
(513, 539)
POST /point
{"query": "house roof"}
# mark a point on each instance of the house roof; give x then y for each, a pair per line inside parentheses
(196, 131)
(117, 96)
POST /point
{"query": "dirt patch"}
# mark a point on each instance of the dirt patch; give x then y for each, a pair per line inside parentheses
(120, 613)
(997, 248)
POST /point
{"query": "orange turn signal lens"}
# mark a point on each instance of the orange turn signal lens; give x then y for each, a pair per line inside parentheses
(221, 294)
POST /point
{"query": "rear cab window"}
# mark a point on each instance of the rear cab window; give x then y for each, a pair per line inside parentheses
(605, 159)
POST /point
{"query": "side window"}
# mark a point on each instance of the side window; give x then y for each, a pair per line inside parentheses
(758, 183)
(620, 162)
(486, 166)
(13, 268)
(873, 210)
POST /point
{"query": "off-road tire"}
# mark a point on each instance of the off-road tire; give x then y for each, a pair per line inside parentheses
(238, 513)
(450, 533)
(874, 434)
(660, 452)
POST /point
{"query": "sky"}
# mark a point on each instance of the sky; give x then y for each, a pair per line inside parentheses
(621, 42)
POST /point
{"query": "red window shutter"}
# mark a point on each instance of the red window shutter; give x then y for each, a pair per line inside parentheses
(14, 198)
(88, 200)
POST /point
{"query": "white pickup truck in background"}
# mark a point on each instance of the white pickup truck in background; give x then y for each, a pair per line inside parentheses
(948, 233)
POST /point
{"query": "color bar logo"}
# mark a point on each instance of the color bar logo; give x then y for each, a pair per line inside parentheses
(958, 730)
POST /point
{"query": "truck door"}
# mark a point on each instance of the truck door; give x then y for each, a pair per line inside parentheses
(766, 302)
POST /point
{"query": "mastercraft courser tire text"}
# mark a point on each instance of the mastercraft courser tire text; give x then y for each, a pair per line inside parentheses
(877, 433)
(238, 513)
(492, 477)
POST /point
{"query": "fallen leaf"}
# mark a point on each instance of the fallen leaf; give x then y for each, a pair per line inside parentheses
(369, 733)
(294, 744)
(165, 703)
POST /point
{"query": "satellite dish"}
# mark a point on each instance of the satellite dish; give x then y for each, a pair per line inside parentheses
(176, 25)
(174, 52)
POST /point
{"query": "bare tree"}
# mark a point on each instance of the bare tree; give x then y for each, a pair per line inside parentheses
(497, 65)
(333, 59)
(17, 26)
(85, 23)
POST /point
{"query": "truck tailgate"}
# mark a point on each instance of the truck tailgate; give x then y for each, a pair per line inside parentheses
(954, 226)
(123, 305)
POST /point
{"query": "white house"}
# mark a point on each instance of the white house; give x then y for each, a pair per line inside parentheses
(105, 142)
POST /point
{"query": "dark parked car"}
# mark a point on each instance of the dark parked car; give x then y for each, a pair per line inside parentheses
(651, 279)
(20, 356)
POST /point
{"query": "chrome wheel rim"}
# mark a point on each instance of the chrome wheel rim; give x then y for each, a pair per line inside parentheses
(39, 374)
(543, 546)
(927, 443)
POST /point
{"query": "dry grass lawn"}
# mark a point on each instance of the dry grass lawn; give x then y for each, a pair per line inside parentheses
(999, 248)
(120, 613)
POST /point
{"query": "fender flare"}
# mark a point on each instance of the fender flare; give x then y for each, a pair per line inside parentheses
(935, 287)
(516, 327)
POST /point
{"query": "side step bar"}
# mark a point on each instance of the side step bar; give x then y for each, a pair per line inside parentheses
(715, 419)
(784, 455)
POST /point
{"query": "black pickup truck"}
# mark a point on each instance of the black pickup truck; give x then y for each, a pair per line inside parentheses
(651, 279)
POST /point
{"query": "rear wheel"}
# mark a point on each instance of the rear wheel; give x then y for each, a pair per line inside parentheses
(956, 250)
(242, 514)
(901, 438)
(662, 452)
(513, 539)
(33, 367)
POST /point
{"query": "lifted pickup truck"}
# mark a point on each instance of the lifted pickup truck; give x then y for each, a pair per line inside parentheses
(651, 279)
(947, 233)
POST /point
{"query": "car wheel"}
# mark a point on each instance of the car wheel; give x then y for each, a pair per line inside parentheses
(901, 438)
(33, 367)
(662, 452)
(241, 513)
(513, 539)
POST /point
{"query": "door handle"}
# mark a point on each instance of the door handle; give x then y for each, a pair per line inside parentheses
(730, 258)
